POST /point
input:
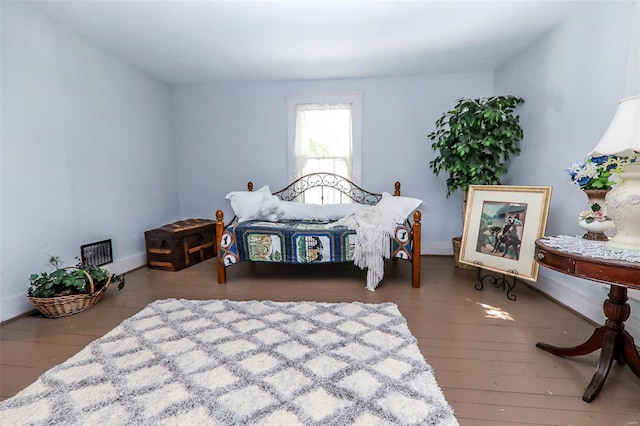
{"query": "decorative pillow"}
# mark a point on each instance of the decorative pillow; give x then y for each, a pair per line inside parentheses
(399, 208)
(246, 205)
(292, 210)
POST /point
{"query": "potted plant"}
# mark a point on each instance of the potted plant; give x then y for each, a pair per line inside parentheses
(70, 290)
(474, 142)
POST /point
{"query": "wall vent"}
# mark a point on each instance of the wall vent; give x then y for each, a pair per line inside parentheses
(97, 254)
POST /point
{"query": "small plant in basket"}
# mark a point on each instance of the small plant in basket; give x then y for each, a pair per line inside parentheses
(69, 290)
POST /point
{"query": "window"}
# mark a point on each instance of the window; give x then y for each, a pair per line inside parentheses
(324, 135)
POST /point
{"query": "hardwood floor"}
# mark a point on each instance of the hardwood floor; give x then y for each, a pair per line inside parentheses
(480, 344)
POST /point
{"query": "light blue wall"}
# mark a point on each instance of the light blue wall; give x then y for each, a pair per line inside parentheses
(228, 134)
(571, 80)
(87, 152)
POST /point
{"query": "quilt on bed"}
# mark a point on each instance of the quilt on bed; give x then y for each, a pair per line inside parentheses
(298, 242)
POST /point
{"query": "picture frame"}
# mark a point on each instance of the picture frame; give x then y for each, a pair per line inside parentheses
(501, 226)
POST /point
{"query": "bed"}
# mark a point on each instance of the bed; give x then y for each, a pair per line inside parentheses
(318, 218)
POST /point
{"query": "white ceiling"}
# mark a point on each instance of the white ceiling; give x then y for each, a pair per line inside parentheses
(183, 41)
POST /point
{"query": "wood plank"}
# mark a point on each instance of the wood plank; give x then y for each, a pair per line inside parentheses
(553, 402)
(14, 379)
(35, 354)
(159, 250)
(534, 386)
(540, 416)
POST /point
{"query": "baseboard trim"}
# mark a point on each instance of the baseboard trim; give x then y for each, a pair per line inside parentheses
(122, 266)
(15, 306)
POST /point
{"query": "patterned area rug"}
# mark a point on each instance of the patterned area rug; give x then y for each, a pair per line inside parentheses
(221, 362)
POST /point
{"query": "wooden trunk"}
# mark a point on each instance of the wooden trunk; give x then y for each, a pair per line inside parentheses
(177, 245)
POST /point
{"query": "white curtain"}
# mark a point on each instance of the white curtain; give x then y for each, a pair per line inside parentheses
(323, 143)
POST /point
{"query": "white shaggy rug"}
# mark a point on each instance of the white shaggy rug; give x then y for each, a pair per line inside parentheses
(219, 362)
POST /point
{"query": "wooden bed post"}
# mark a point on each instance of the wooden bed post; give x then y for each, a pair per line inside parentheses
(222, 272)
(415, 262)
(396, 193)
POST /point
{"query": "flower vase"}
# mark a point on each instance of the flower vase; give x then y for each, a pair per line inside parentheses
(595, 220)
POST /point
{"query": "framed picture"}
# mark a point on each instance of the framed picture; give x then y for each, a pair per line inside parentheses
(501, 226)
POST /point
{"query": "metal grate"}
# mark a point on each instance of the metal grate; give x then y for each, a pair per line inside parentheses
(97, 254)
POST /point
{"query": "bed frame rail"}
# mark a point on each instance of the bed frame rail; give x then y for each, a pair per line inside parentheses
(331, 182)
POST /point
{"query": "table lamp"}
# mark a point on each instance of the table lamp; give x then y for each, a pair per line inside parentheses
(622, 138)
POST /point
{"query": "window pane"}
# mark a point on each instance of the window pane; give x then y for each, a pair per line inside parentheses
(329, 165)
(325, 126)
(323, 132)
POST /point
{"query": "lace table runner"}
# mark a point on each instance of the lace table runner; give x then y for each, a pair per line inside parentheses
(590, 248)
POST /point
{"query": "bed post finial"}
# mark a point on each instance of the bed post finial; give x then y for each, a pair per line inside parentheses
(397, 189)
(250, 186)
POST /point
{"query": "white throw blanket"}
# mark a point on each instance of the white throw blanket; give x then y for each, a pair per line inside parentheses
(374, 230)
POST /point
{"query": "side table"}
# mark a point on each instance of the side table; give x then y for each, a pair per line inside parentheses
(615, 342)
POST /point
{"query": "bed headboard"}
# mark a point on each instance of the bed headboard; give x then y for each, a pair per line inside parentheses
(318, 186)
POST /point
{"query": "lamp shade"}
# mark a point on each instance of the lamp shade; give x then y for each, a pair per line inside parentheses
(622, 137)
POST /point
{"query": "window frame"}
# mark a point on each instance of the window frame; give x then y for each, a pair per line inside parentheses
(352, 98)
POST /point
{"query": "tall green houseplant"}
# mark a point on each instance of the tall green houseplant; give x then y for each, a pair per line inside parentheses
(474, 143)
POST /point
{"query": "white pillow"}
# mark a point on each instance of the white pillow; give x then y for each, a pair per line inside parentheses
(270, 210)
(338, 211)
(246, 205)
(292, 210)
(398, 207)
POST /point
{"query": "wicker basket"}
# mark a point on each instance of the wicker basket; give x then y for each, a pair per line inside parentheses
(62, 306)
(457, 242)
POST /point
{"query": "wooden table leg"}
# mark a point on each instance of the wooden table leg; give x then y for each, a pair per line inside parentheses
(629, 352)
(615, 342)
(593, 343)
(603, 367)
